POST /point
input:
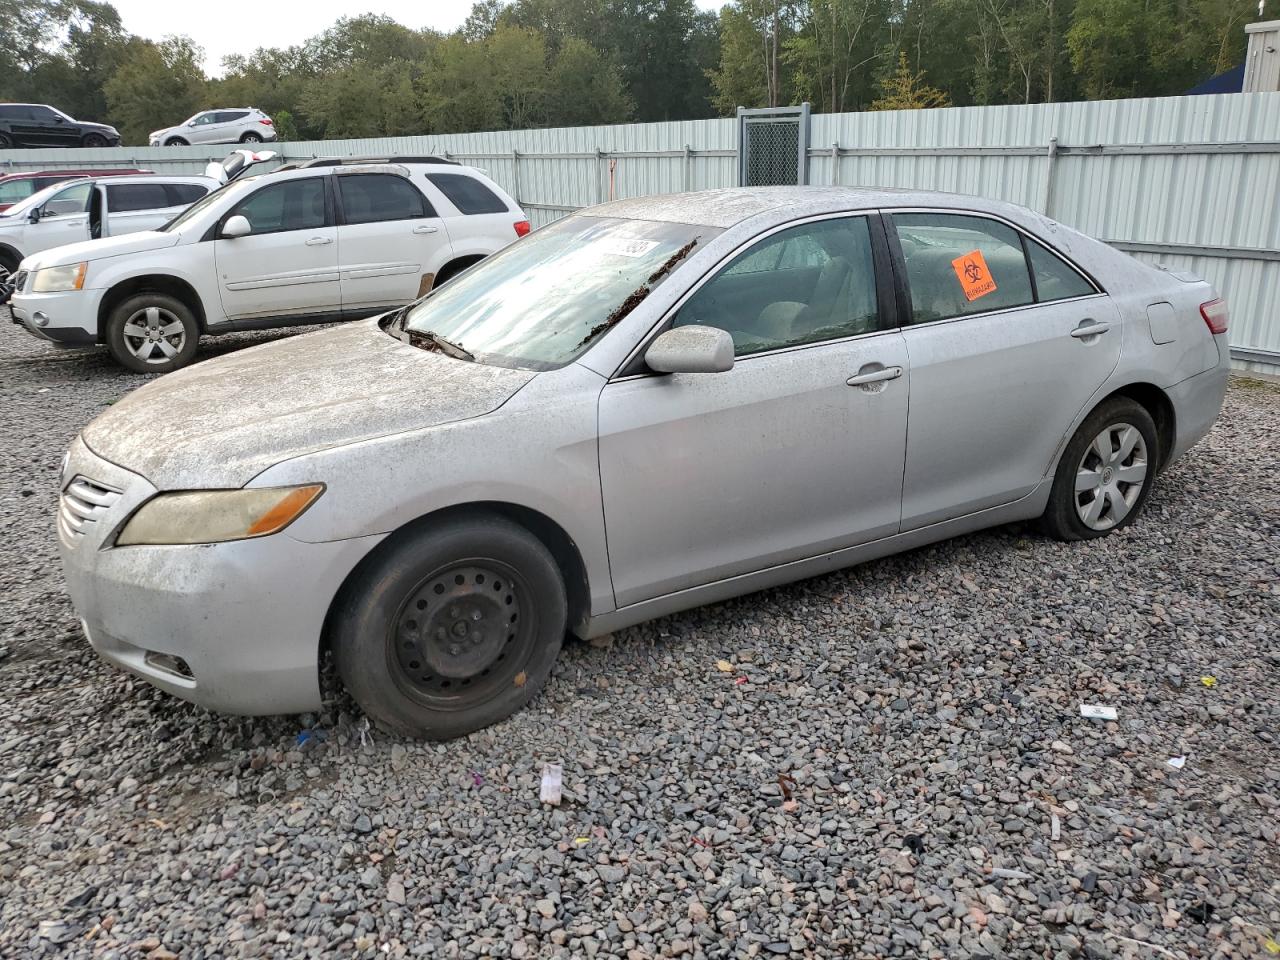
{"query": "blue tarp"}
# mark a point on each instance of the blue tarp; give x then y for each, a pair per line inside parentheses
(1230, 82)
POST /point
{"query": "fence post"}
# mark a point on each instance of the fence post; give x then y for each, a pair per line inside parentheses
(515, 174)
(835, 164)
(688, 157)
(1051, 157)
(602, 171)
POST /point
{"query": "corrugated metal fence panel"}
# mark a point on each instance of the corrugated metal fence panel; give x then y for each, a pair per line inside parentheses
(1226, 199)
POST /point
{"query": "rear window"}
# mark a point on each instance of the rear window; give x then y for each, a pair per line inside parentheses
(469, 195)
(123, 197)
(11, 191)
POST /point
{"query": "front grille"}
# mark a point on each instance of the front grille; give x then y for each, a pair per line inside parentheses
(83, 503)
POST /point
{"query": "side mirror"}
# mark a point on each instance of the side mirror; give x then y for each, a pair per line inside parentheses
(692, 349)
(237, 226)
(34, 215)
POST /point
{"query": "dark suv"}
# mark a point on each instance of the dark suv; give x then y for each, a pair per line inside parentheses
(37, 125)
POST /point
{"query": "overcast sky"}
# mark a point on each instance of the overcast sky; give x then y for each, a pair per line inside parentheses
(223, 29)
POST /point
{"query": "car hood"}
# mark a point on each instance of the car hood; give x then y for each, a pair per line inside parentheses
(222, 422)
(101, 249)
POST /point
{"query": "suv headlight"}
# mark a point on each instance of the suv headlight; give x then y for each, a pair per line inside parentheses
(59, 279)
(216, 516)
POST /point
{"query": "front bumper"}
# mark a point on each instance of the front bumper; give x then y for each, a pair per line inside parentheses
(70, 319)
(244, 618)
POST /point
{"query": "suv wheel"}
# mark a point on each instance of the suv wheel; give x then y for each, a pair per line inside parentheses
(450, 628)
(6, 141)
(251, 137)
(94, 140)
(152, 333)
(175, 142)
(1105, 474)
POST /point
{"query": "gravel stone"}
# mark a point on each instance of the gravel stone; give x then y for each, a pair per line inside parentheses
(919, 705)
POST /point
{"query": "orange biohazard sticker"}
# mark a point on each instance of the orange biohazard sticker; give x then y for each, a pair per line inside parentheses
(975, 278)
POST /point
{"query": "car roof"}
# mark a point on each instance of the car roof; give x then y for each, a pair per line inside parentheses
(347, 161)
(727, 207)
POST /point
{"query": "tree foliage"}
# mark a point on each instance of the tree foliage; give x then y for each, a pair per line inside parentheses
(534, 63)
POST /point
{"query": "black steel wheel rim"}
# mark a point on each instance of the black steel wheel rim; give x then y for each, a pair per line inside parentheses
(462, 634)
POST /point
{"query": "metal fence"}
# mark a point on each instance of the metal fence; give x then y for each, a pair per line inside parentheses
(1190, 182)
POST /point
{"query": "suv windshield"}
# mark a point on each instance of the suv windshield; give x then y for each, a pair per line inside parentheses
(541, 301)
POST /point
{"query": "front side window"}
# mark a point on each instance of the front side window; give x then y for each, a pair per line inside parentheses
(44, 114)
(200, 119)
(959, 265)
(806, 284)
(288, 205)
(378, 197)
(69, 201)
(468, 194)
(540, 303)
(11, 191)
(1055, 279)
(123, 197)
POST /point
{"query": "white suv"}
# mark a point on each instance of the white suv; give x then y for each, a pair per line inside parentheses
(327, 240)
(226, 125)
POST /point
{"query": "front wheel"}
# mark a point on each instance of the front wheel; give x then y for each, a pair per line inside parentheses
(451, 627)
(1105, 474)
(94, 140)
(175, 142)
(152, 333)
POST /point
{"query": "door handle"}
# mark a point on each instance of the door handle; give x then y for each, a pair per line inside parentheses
(319, 241)
(875, 376)
(1090, 328)
(426, 229)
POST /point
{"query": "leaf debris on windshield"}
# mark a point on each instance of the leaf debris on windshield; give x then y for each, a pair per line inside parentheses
(637, 295)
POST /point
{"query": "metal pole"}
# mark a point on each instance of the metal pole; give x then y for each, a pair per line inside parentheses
(515, 173)
(1050, 159)
(835, 164)
(688, 157)
(601, 172)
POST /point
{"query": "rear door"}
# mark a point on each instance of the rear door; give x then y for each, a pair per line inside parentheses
(134, 207)
(1002, 360)
(288, 264)
(227, 124)
(390, 240)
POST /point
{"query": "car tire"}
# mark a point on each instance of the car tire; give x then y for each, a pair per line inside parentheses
(450, 626)
(6, 142)
(176, 142)
(9, 261)
(136, 334)
(1105, 474)
(94, 140)
(251, 137)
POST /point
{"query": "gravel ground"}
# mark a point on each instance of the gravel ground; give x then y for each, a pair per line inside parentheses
(889, 761)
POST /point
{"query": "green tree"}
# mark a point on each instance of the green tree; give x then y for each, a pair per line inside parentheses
(905, 89)
(157, 84)
(584, 88)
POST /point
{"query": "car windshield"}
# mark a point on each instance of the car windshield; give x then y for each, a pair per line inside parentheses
(35, 200)
(541, 301)
(204, 203)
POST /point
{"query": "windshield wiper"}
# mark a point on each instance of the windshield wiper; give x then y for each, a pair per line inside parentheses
(429, 340)
(639, 293)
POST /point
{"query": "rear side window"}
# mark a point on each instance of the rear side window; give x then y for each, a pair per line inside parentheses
(959, 265)
(378, 197)
(181, 194)
(468, 194)
(1055, 279)
(288, 205)
(10, 113)
(123, 197)
(227, 116)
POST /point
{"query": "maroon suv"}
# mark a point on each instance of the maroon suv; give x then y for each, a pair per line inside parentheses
(15, 187)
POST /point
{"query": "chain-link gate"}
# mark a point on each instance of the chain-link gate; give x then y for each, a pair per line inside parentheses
(773, 146)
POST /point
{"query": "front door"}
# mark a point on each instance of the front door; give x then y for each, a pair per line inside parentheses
(796, 451)
(389, 239)
(1008, 344)
(288, 264)
(64, 218)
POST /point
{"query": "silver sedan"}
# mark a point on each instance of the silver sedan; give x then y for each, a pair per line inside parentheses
(647, 406)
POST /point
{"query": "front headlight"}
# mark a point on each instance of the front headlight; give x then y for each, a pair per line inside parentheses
(216, 516)
(59, 279)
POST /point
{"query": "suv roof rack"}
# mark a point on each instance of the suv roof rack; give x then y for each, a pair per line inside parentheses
(343, 161)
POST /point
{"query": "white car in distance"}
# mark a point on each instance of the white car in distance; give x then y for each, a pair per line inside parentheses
(323, 241)
(224, 125)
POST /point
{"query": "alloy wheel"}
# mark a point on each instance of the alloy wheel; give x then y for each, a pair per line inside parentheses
(154, 335)
(1111, 476)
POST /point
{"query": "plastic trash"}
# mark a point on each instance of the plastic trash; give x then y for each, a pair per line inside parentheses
(724, 666)
(1096, 711)
(914, 842)
(1177, 762)
(1209, 681)
(1201, 912)
(477, 779)
(552, 784)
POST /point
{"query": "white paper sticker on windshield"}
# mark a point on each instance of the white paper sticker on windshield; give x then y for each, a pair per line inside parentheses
(626, 246)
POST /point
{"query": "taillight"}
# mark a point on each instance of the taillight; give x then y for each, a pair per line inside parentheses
(1215, 315)
(265, 121)
(522, 227)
